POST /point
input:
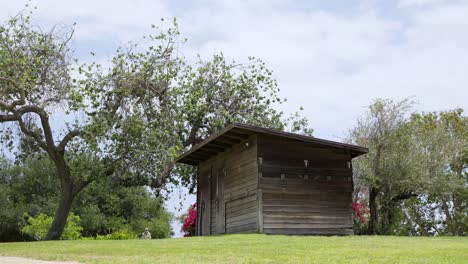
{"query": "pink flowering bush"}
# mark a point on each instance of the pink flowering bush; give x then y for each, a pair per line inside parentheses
(360, 212)
(190, 222)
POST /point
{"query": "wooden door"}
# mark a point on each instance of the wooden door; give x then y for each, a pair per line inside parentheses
(204, 203)
(220, 204)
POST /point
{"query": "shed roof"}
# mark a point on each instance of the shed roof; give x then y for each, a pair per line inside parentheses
(235, 133)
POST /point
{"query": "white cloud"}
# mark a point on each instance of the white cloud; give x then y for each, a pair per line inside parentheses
(117, 20)
(417, 3)
(334, 64)
(331, 63)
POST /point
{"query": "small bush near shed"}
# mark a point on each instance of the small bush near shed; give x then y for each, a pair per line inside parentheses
(37, 227)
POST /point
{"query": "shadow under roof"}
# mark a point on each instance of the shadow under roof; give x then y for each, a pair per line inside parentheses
(235, 133)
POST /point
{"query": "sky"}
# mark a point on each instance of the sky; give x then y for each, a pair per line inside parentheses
(331, 57)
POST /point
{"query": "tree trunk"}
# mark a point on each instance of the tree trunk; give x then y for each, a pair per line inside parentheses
(386, 219)
(373, 221)
(61, 215)
(66, 198)
(448, 216)
(389, 207)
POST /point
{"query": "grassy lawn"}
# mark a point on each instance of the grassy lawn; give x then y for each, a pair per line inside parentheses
(250, 249)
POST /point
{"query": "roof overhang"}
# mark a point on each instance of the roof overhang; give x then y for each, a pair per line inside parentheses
(236, 133)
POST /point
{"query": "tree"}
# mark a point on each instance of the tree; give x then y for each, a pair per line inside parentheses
(35, 80)
(415, 171)
(134, 117)
(391, 170)
(105, 208)
(30, 189)
(442, 138)
(155, 105)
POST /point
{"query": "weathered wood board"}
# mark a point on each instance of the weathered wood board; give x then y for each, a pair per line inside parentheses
(233, 200)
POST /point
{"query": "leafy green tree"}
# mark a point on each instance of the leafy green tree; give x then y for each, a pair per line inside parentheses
(133, 118)
(415, 171)
(391, 169)
(11, 214)
(106, 209)
(154, 105)
(442, 138)
(29, 187)
(35, 81)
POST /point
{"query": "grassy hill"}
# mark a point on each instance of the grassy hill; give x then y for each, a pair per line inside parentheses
(252, 248)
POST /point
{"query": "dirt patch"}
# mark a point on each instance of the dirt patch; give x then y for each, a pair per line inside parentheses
(18, 260)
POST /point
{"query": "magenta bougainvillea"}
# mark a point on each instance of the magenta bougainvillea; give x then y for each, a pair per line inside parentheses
(190, 222)
(360, 212)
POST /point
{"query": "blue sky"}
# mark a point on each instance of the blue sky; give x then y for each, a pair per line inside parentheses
(331, 57)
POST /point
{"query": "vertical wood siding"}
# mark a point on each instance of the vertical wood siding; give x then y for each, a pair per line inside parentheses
(240, 212)
(204, 200)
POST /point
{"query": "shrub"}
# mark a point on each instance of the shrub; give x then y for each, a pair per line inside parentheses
(37, 227)
(123, 234)
(190, 222)
(360, 212)
(159, 228)
(93, 221)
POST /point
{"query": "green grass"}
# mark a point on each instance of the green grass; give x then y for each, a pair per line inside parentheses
(250, 249)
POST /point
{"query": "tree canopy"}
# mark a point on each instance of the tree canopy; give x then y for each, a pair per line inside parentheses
(127, 121)
(415, 174)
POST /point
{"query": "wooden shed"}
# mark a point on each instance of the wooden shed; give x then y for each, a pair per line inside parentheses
(258, 180)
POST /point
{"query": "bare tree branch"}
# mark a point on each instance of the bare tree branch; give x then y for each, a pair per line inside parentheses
(8, 118)
(30, 109)
(44, 122)
(5, 106)
(191, 139)
(47, 130)
(32, 134)
(67, 138)
(80, 184)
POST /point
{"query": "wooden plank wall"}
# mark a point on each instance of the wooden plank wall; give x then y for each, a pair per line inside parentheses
(239, 165)
(203, 200)
(241, 188)
(312, 200)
